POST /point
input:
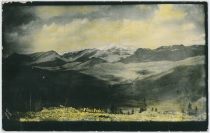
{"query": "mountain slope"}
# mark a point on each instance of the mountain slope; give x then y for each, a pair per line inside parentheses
(186, 84)
(170, 92)
(35, 88)
(118, 72)
(79, 56)
(171, 53)
(49, 58)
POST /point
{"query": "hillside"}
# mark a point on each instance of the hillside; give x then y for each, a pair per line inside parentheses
(34, 88)
(169, 79)
(116, 73)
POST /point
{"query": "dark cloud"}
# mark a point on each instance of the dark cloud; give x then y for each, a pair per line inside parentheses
(13, 17)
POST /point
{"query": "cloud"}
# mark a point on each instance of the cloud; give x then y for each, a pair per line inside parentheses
(194, 13)
(13, 17)
(167, 13)
(46, 12)
(72, 28)
(66, 14)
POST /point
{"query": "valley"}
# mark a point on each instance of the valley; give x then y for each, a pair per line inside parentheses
(170, 79)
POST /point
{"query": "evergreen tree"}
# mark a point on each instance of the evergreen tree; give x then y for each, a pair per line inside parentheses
(189, 106)
(121, 112)
(182, 110)
(132, 111)
(155, 109)
(113, 109)
(140, 110)
(190, 112)
(144, 105)
(196, 109)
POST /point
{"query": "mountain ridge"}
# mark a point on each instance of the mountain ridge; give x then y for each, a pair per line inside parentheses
(115, 54)
(174, 53)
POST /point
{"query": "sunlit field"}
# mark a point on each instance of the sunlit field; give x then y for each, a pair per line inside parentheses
(86, 114)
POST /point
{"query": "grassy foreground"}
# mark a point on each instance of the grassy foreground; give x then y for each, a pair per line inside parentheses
(72, 114)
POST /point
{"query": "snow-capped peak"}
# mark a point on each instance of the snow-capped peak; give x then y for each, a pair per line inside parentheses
(110, 53)
(116, 47)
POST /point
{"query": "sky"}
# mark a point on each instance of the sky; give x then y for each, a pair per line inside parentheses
(29, 29)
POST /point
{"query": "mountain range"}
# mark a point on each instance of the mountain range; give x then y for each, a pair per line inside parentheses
(168, 75)
(111, 55)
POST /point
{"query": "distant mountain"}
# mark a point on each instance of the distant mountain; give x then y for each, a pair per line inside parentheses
(49, 58)
(171, 53)
(44, 56)
(80, 56)
(112, 54)
(91, 57)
